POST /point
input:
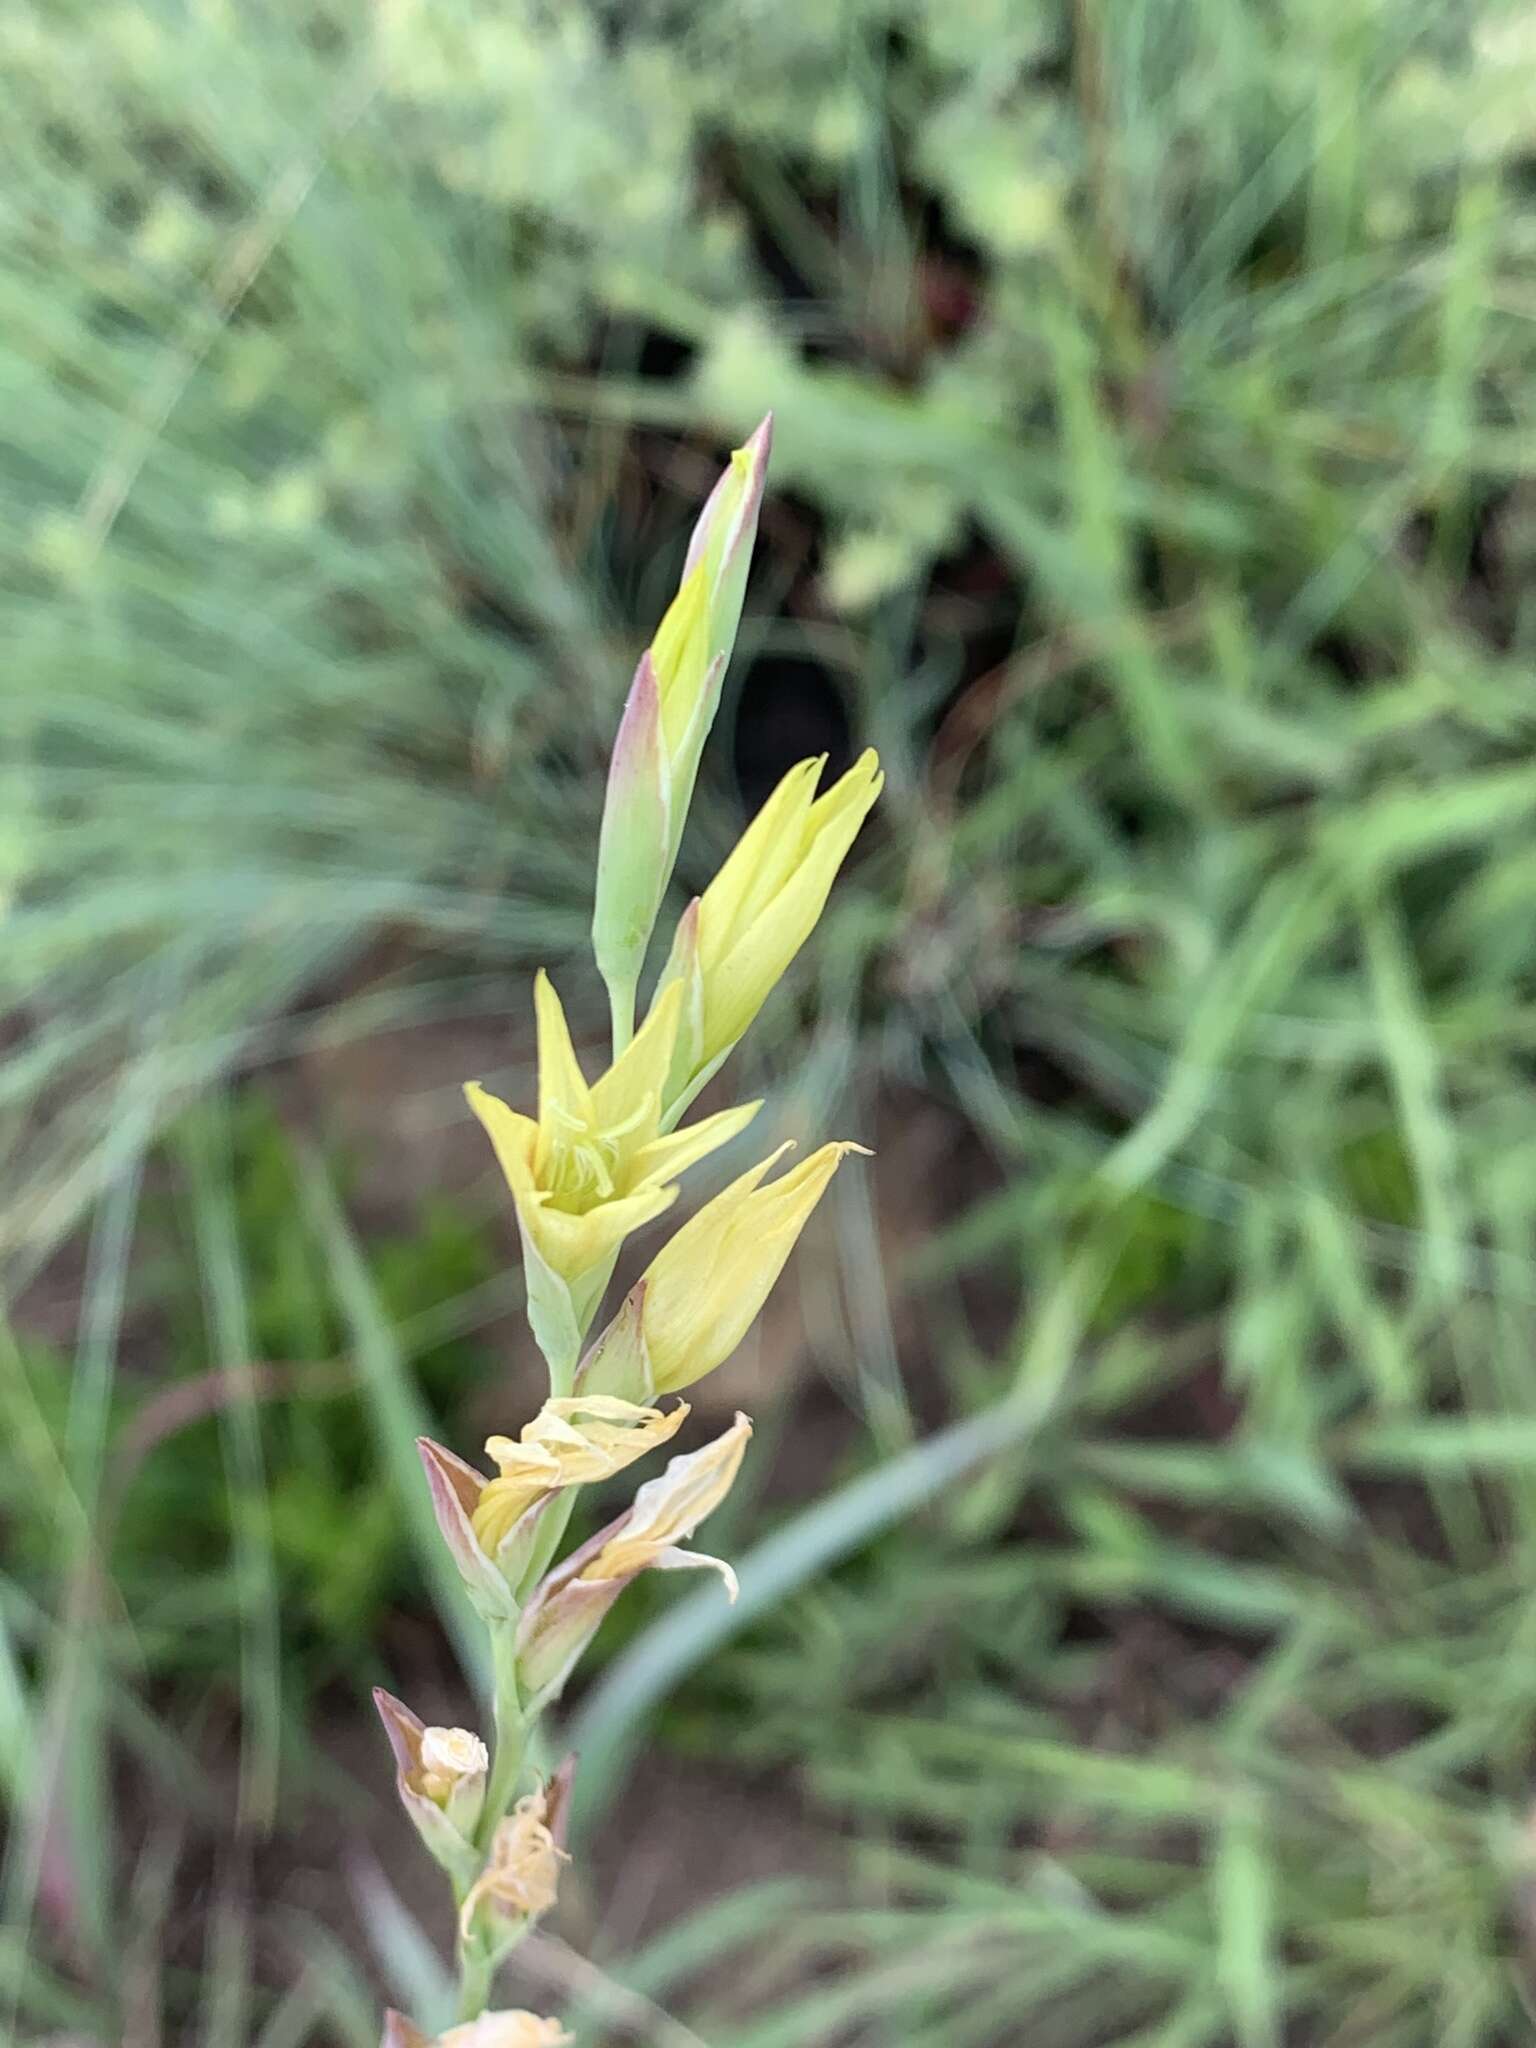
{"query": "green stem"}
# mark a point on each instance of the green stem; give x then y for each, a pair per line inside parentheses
(477, 1971)
(553, 1523)
(621, 1008)
(511, 1735)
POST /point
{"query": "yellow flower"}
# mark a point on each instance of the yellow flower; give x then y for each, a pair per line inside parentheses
(760, 909)
(594, 1165)
(568, 1443)
(701, 1293)
(668, 1509)
(522, 1872)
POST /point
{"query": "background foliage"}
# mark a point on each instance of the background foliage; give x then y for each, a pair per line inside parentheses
(1154, 388)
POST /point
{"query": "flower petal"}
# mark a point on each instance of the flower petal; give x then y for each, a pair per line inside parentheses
(571, 1442)
(628, 1096)
(759, 863)
(563, 1093)
(572, 1245)
(665, 1158)
(670, 1507)
(704, 1288)
(513, 1136)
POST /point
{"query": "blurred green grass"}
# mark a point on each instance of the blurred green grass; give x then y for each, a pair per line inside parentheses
(1154, 389)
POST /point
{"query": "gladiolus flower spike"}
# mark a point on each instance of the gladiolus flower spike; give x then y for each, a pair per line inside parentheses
(590, 1164)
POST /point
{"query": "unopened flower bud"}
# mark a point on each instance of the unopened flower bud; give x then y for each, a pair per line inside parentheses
(743, 932)
(702, 1292)
(671, 706)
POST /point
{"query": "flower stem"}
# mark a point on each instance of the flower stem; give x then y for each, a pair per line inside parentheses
(621, 1008)
(553, 1524)
(477, 1969)
(511, 1735)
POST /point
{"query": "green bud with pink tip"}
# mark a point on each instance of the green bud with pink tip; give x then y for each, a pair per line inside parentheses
(667, 716)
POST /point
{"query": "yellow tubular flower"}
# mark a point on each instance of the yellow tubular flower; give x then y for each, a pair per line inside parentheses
(761, 908)
(594, 1165)
(568, 1443)
(702, 1291)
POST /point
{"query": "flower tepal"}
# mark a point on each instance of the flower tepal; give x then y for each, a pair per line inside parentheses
(568, 1443)
(703, 1290)
(569, 1607)
(737, 940)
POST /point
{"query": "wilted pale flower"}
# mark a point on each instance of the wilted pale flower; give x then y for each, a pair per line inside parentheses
(702, 1291)
(491, 2030)
(568, 1443)
(670, 708)
(566, 1610)
(666, 1512)
(743, 932)
(440, 1775)
(594, 1165)
(522, 1872)
(453, 1763)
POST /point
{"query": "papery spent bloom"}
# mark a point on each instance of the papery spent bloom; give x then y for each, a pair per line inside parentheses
(667, 717)
(566, 1611)
(491, 2030)
(594, 1165)
(701, 1293)
(568, 1443)
(440, 1774)
(522, 1872)
(736, 941)
(666, 1512)
(452, 1769)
